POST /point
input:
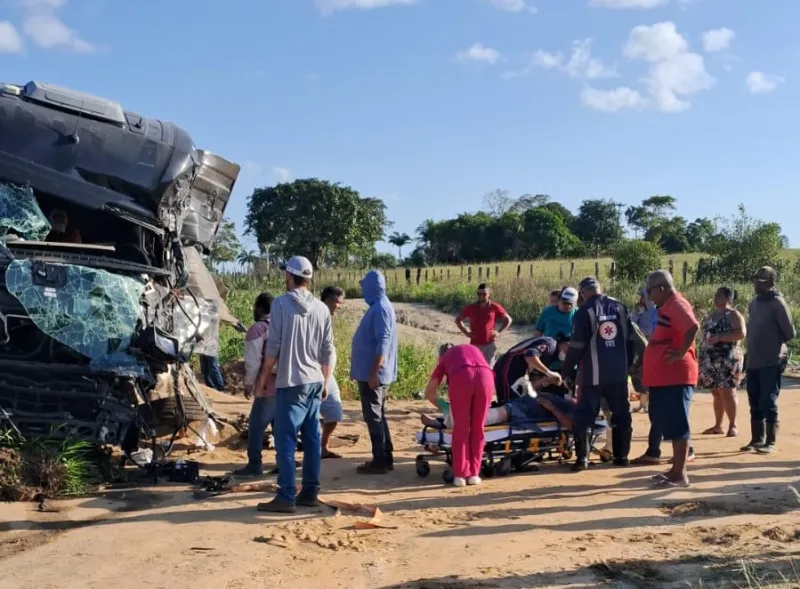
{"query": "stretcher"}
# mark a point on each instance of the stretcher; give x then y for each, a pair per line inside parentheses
(507, 447)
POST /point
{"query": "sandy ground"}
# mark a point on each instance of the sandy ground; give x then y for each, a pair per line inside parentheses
(550, 528)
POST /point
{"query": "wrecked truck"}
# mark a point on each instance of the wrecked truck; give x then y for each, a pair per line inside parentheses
(97, 330)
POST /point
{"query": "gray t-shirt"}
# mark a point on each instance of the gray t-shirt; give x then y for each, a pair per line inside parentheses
(769, 327)
(301, 337)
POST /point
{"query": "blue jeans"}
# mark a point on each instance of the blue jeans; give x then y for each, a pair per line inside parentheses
(763, 388)
(212, 375)
(261, 414)
(297, 409)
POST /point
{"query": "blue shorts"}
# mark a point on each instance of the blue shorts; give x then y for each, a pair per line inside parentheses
(330, 411)
(669, 411)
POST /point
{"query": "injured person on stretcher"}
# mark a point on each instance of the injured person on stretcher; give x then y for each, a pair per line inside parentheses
(518, 411)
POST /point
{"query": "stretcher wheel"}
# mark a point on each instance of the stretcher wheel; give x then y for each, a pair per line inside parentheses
(423, 468)
(448, 476)
(503, 467)
(487, 470)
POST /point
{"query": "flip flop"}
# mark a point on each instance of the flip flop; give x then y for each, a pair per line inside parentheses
(712, 431)
(659, 477)
(666, 484)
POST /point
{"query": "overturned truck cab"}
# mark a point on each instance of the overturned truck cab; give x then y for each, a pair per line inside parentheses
(104, 297)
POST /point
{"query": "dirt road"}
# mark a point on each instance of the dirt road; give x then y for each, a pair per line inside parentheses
(551, 528)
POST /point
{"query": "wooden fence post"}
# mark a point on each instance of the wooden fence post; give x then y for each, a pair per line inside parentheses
(480, 272)
(419, 275)
(469, 274)
(496, 272)
(441, 273)
(672, 267)
(488, 272)
(519, 270)
(448, 274)
(426, 275)
(531, 270)
(613, 271)
(597, 270)
(408, 275)
(462, 271)
(685, 272)
(571, 270)
(561, 272)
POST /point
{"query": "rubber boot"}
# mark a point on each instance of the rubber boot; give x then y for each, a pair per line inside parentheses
(583, 441)
(758, 429)
(771, 439)
(621, 442)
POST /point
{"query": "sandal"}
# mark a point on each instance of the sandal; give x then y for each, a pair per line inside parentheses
(713, 431)
(668, 483)
(733, 432)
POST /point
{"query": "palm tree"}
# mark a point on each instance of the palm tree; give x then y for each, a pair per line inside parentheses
(399, 240)
(248, 259)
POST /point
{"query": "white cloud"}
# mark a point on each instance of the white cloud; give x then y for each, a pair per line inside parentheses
(331, 6)
(718, 39)
(10, 39)
(675, 73)
(655, 43)
(621, 98)
(47, 31)
(479, 52)
(580, 64)
(761, 83)
(282, 174)
(622, 4)
(513, 6)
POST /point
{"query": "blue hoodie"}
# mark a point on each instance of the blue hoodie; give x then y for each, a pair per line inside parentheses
(376, 334)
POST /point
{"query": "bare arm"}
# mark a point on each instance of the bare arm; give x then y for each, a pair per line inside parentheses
(535, 363)
(267, 366)
(462, 328)
(688, 340)
(505, 323)
(431, 388)
(738, 330)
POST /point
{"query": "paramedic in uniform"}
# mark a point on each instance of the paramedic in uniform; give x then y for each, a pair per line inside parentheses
(599, 346)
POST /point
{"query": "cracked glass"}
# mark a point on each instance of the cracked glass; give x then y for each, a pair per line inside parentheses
(91, 311)
(20, 213)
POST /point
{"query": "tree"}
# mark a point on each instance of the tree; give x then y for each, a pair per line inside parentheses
(652, 212)
(634, 259)
(560, 210)
(670, 235)
(744, 244)
(248, 259)
(383, 261)
(225, 246)
(497, 202)
(699, 234)
(311, 217)
(546, 236)
(597, 225)
(399, 240)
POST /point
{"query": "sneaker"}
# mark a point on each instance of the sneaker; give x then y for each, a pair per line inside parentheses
(277, 505)
(250, 470)
(474, 481)
(459, 482)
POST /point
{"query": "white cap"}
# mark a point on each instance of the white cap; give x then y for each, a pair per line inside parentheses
(298, 266)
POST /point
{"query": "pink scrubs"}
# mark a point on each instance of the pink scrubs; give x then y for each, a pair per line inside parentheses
(470, 385)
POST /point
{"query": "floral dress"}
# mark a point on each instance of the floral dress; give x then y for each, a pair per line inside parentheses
(721, 364)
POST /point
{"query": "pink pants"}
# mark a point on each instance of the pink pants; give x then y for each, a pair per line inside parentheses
(471, 390)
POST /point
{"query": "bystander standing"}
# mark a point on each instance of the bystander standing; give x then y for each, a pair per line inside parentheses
(482, 317)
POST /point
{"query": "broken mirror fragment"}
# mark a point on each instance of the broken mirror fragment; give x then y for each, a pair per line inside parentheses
(91, 311)
(20, 214)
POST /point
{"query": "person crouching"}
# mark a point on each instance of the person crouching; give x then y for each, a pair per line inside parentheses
(470, 385)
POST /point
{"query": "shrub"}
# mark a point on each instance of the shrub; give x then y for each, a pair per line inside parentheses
(635, 259)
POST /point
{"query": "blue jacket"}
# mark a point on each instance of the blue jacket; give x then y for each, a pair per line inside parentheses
(601, 342)
(376, 334)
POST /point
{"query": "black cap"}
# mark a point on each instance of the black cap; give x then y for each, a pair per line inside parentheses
(588, 282)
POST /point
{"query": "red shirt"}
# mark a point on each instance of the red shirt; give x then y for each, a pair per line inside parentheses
(458, 357)
(482, 321)
(674, 319)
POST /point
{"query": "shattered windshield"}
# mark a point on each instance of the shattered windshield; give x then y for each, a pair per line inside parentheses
(20, 213)
(91, 311)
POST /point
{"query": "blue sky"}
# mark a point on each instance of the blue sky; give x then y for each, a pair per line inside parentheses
(429, 104)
